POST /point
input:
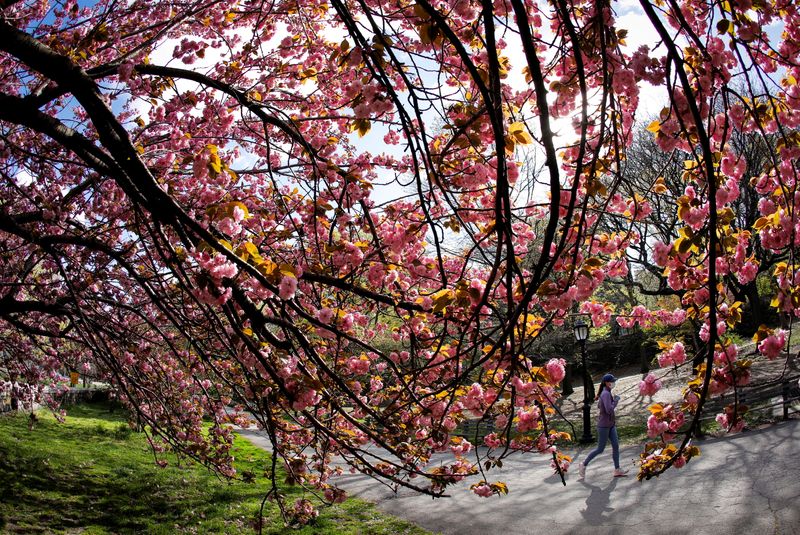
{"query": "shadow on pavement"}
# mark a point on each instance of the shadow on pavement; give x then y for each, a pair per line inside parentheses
(598, 503)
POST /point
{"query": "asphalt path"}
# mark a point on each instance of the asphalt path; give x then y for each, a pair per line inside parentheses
(747, 483)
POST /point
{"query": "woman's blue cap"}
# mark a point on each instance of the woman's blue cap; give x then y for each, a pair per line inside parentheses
(608, 377)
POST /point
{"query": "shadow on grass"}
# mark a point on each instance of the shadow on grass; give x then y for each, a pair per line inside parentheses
(94, 474)
(62, 476)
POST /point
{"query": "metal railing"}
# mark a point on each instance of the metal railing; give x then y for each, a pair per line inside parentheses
(767, 396)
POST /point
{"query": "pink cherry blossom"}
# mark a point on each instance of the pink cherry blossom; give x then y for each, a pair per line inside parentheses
(656, 427)
(288, 287)
(249, 217)
(484, 490)
(772, 345)
(649, 385)
(555, 370)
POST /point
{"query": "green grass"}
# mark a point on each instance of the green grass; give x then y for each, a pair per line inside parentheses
(92, 474)
(629, 432)
(632, 433)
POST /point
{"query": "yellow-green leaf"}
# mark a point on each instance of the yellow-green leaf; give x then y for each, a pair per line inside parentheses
(519, 133)
(442, 298)
(288, 270)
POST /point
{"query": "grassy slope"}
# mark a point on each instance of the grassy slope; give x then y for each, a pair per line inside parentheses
(93, 475)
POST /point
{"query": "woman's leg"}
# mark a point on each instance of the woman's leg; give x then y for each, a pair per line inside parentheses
(612, 435)
(602, 437)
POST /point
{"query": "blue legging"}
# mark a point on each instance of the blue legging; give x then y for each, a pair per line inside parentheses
(603, 435)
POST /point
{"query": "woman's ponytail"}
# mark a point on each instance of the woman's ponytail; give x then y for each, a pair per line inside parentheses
(600, 390)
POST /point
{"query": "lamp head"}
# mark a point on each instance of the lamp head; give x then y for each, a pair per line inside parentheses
(581, 331)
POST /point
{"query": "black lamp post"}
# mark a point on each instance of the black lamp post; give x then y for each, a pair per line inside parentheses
(581, 335)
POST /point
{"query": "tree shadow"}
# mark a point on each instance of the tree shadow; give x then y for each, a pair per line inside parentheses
(49, 480)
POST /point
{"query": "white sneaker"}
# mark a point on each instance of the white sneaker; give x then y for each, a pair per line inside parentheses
(619, 472)
(581, 472)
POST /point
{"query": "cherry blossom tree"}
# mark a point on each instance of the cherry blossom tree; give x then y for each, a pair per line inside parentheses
(242, 209)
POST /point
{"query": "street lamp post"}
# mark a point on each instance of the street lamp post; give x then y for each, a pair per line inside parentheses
(581, 335)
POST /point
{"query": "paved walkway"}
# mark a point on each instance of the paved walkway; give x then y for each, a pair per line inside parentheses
(741, 484)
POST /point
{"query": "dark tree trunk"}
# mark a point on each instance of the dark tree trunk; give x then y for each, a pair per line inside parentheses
(757, 312)
(566, 384)
(644, 358)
